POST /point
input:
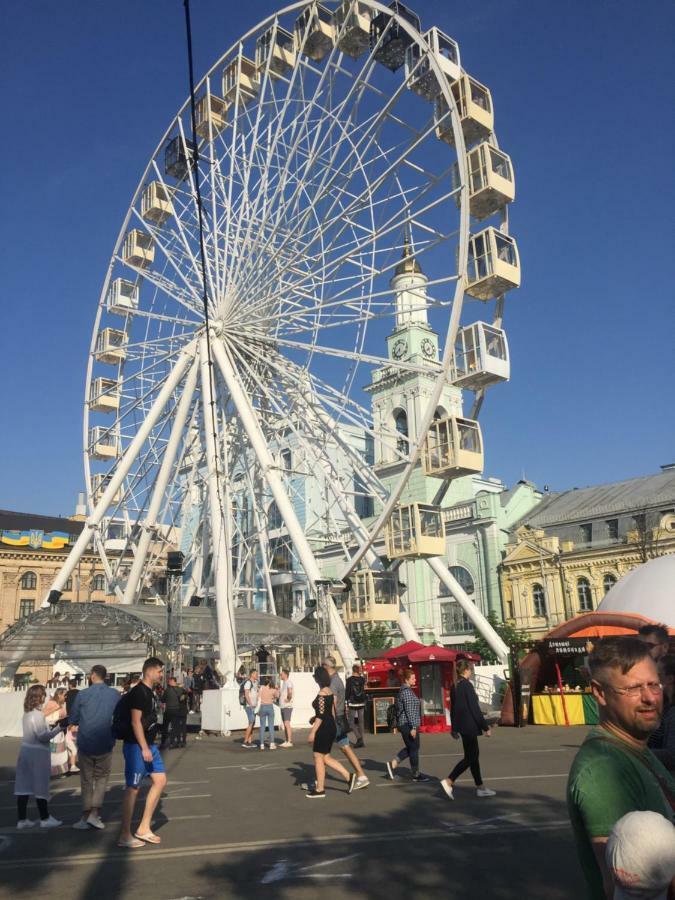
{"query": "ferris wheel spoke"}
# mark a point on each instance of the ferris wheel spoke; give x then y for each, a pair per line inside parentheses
(367, 139)
(161, 483)
(291, 376)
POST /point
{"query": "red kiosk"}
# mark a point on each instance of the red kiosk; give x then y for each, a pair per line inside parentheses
(435, 670)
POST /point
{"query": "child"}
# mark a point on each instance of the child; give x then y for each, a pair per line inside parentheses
(33, 767)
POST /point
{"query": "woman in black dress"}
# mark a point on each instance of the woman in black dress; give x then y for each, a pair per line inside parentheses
(322, 735)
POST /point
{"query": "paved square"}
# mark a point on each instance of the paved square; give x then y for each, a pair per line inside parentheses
(235, 823)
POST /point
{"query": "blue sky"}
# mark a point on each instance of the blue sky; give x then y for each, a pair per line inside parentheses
(583, 94)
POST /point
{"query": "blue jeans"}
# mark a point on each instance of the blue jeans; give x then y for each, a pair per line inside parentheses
(411, 749)
(266, 718)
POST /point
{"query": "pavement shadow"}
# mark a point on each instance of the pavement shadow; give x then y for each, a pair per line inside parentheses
(428, 846)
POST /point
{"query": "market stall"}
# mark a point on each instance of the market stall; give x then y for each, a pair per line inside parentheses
(553, 685)
(434, 668)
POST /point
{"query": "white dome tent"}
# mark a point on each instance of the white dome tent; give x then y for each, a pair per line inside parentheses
(648, 590)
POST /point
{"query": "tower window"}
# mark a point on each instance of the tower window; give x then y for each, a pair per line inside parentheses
(401, 425)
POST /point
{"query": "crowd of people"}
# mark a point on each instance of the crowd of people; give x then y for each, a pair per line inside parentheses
(620, 793)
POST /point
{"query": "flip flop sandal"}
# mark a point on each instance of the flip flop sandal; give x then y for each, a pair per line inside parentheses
(133, 844)
(149, 838)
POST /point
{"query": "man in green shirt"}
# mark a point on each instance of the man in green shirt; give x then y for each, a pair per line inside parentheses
(614, 773)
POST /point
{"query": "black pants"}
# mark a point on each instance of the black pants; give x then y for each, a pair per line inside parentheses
(179, 732)
(411, 749)
(470, 761)
(168, 727)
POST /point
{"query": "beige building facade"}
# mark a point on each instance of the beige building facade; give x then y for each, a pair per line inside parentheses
(570, 551)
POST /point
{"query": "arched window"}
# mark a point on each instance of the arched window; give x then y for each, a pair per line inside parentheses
(463, 576)
(274, 519)
(608, 582)
(29, 581)
(98, 584)
(68, 586)
(584, 594)
(401, 426)
(539, 600)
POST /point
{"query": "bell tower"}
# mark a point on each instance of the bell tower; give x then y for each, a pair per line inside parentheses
(400, 395)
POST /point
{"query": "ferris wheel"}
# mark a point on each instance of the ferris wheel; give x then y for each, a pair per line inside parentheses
(248, 304)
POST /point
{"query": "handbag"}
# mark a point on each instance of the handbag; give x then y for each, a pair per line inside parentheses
(343, 727)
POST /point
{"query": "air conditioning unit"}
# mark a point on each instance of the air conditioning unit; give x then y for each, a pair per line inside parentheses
(667, 523)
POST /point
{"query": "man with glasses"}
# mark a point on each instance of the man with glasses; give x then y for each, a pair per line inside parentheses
(614, 773)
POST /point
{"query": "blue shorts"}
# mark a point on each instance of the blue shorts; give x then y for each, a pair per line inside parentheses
(136, 768)
(250, 714)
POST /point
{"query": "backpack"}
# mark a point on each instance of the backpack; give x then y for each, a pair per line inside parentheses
(242, 693)
(121, 720)
(392, 716)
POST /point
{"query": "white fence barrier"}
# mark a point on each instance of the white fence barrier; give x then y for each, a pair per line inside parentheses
(488, 681)
(11, 713)
(222, 712)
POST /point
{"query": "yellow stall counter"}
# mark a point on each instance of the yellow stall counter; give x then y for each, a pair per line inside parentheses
(547, 709)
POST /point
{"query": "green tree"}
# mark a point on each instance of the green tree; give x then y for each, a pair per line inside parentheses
(512, 637)
(369, 638)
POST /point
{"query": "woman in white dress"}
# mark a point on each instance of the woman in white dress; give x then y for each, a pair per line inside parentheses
(33, 765)
(54, 710)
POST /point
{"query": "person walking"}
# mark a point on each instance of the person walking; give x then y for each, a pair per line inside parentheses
(322, 736)
(355, 700)
(342, 736)
(33, 765)
(250, 688)
(91, 715)
(71, 739)
(55, 710)
(141, 757)
(171, 698)
(286, 706)
(408, 721)
(268, 695)
(188, 683)
(180, 722)
(614, 773)
(198, 684)
(469, 723)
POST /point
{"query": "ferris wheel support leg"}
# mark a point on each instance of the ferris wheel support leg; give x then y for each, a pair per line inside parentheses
(470, 608)
(160, 485)
(121, 471)
(271, 473)
(222, 565)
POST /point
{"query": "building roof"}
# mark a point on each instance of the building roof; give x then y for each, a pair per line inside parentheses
(20, 521)
(85, 630)
(603, 500)
(408, 264)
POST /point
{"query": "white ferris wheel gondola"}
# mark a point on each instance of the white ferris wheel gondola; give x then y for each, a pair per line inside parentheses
(331, 140)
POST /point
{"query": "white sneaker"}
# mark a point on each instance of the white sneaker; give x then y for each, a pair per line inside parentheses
(262, 746)
(25, 823)
(361, 782)
(51, 822)
(447, 787)
(273, 746)
(96, 822)
(81, 825)
(485, 792)
(286, 744)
